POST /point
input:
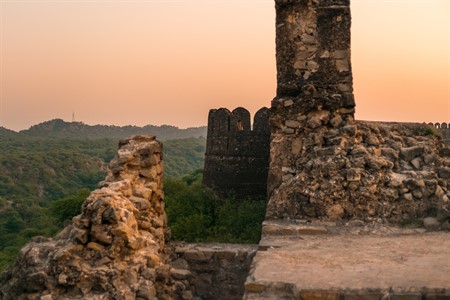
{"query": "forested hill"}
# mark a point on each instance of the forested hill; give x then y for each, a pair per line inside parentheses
(61, 129)
(4, 132)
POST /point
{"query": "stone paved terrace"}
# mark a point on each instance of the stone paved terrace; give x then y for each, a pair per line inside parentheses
(349, 262)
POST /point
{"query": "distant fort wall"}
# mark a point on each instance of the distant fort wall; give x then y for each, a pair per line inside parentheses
(237, 154)
(444, 128)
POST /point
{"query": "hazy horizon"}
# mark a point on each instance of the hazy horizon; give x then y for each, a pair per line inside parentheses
(141, 62)
(125, 125)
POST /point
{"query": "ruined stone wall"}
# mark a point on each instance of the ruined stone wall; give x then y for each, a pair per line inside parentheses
(214, 271)
(236, 159)
(115, 249)
(324, 164)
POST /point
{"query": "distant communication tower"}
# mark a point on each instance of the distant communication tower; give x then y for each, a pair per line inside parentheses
(73, 117)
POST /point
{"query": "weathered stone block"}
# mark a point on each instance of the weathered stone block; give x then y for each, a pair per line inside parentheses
(318, 295)
(406, 296)
(335, 212)
(292, 124)
(431, 223)
(255, 287)
(444, 172)
(443, 296)
(311, 230)
(101, 234)
(198, 255)
(141, 203)
(226, 254)
(150, 173)
(410, 153)
(96, 246)
(79, 235)
(363, 296)
(124, 156)
(142, 192)
(180, 274)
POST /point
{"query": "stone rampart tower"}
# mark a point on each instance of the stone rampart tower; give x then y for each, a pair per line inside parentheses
(313, 55)
(314, 90)
(236, 159)
(324, 164)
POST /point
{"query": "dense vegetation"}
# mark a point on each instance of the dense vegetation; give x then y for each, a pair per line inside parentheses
(197, 214)
(4, 132)
(44, 179)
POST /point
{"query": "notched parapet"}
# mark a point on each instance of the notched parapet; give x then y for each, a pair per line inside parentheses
(444, 129)
(237, 156)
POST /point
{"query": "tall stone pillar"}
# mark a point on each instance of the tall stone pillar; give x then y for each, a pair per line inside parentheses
(314, 80)
(313, 55)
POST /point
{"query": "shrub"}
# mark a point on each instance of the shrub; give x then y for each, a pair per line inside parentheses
(68, 207)
(197, 214)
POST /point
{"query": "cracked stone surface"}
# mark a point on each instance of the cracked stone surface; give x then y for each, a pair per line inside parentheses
(351, 260)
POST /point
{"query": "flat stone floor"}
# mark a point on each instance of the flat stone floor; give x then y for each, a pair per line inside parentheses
(352, 260)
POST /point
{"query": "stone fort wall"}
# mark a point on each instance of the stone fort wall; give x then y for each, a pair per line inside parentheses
(237, 155)
(444, 128)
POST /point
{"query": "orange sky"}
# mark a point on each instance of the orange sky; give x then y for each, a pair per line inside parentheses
(169, 62)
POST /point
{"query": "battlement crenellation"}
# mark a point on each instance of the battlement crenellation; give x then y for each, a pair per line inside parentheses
(237, 153)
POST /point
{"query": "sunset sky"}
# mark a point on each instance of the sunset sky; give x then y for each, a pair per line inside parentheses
(168, 62)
